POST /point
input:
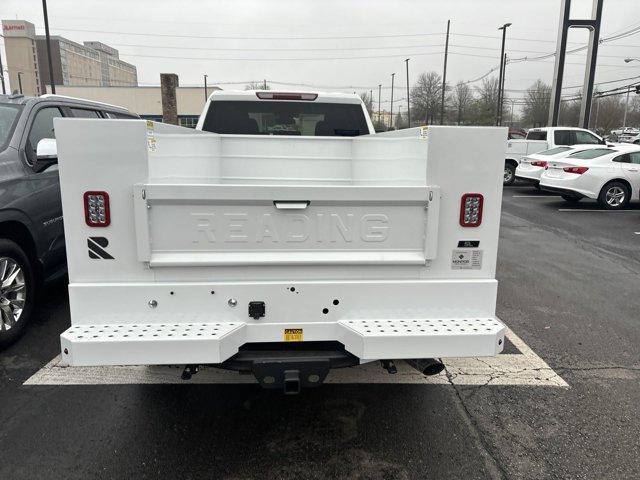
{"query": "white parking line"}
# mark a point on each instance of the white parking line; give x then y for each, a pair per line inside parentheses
(536, 196)
(595, 210)
(525, 368)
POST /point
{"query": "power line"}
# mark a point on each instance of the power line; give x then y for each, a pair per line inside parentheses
(225, 37)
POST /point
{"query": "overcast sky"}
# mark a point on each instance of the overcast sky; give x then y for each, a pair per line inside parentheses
(318, 42)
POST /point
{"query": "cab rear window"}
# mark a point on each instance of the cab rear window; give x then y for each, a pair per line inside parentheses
(285, 118)
(593, 153)
(533, 135)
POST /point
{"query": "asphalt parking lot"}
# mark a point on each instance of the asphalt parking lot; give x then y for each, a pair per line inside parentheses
(569, 281)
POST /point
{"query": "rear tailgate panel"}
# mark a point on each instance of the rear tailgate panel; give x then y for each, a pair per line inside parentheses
(199, 225)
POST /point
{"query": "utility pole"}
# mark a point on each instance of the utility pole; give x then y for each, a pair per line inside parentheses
(4, 89)
(46, 31)
(206, 96)
(379, 97)
(20, 87)
(504, 36)
(371, 101)
(504, 72)
(626, 107)
(444, 74)
(408, 102)
(513, 102)
(391, 116)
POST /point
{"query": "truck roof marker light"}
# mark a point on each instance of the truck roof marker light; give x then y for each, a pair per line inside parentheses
(471, 210)
(96, 209)
(286, 96)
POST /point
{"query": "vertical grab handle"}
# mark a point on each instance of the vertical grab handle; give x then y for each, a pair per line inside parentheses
(433, 223)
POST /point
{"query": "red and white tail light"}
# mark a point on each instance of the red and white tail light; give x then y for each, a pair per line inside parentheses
(96, 209)
(578, 170)
(471, 209)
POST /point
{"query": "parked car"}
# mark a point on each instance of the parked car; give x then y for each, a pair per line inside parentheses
(609, 175)
(539, 139)
(630, 138)
(532, 166)
(32, 248)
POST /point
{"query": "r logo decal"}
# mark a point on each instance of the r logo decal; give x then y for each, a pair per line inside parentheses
(97, 247)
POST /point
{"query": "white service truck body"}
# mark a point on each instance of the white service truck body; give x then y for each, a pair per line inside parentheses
(190, 247)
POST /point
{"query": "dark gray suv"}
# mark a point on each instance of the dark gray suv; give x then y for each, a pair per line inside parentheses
(32, 247)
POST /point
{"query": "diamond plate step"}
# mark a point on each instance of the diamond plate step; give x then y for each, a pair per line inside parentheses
(423, 338)
(151, 344)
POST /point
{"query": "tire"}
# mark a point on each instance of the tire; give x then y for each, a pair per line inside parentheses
(571, 199)
(17, 291)
(509, 174)
(614, 196)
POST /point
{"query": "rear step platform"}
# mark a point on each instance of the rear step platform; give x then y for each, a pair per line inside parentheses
(215, 342)
(423, 338)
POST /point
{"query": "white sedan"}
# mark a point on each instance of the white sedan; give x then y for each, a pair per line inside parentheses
(609, 175)
(531, 167)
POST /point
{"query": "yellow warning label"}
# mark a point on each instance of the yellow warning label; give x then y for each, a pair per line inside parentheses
(293, 335)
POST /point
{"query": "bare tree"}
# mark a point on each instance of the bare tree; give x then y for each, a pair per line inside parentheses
(535, 111)
(368, 102)
(425, 97)
(461, 99)
(611, 113)
(257, 86)
(483, 108)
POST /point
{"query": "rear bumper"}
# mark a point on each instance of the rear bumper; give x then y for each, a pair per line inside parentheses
(563, 191)
(215, 342)
(574, 186)
(529, 176)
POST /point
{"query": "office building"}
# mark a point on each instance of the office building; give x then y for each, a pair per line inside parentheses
(89, 64)
(21, 59)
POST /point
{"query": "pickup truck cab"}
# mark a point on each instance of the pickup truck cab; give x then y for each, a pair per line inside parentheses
(32, 248)
(539, 139)
(282, 238)
(292, 113)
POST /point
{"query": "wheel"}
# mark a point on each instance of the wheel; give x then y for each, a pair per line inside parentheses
(571, 199)
(509, 174)
(17, 291)
(614, 196)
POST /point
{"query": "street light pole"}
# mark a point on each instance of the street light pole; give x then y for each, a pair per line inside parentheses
(46, 31)
(626, 104)
(391, 111)
(504, 35)
(379, 97)
(626, 107)
(408, 104)
(4, 89)
(504, 74)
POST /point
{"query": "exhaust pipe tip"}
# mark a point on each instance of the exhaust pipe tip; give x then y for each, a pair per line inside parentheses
(427, 366)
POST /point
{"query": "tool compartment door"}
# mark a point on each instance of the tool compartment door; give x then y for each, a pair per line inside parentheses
(186, 225)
